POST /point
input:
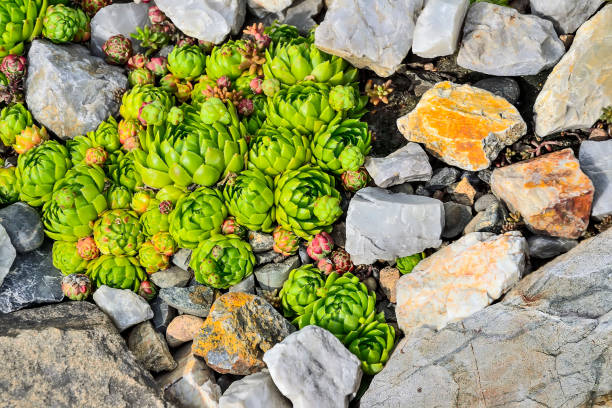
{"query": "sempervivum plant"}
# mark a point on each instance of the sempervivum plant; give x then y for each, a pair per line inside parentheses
(9, 186)
(64, 24)
(140, 76)
(118, 232)
(320, 246)
(30, 137)
(285, 241)
(118, 49)
(78, 199)
(156, 218)
(133, 99)
(152, 260)
(331, 147)
(355, 180)
(77, 148)
(186, 62)
(38, 170)
(76, 286)
(197, 216)
(125, 174)
(300, 289)
(118, 196)
(13, 119)
(275, 150)
(231, 226)
(119, 272)
(407, 263)
(87, 248)
(164, 243)
(20, 22)
(91, 7)
(107, 135)
(225, 60)
(250, 198)
(222, 261)
(66, 257)
(373, 345)
(306, 201)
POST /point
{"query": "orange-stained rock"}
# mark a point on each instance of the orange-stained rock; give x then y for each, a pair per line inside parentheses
(550, 192)
(239, 329)
(462, 125)
(388, 281)
(182, 329)
(463, 192)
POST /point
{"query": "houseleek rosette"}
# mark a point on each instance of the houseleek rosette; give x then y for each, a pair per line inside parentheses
(341, 147)
(133, 99)
(373, 346)
(118, 232)
(250, 198)
(66, 257)
(301, 289)
(275, 150)
(20, 22)
(119, 272)
(9, 186)
(13, 119)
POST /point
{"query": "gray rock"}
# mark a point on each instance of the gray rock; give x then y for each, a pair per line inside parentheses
(547, 343)
(272, 276)
(117, 19)
(485, 202)
(194, 300)
(70, 355)
(422, 191)
(595, 162)
(171, 277)
(23, 225)
(443, 178)
(489, 220)
(260, 242)
(383, 225)
(566, 15)
(7, 254)
(456, 217)
(162, 314)
(338, 234)
(378, 41)
(507, 88)
(545, 247)
(438, 27)
(124, 307)
(500, 41)
(405, 188)
(70, 77)
(150, 348)
(410, 163)
(305, 259)
(301, 14)
(254, 391)
(313, 353)
(262, 7)
(181, 258)
(208, 20)
(246, 286)
(31, 280)
(263, 258)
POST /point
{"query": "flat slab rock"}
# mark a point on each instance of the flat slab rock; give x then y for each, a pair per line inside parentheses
(124, 307)
(596, 163)
(462, 125)
(410, 163)
(70, 355)
(566, 15)
(547, 343)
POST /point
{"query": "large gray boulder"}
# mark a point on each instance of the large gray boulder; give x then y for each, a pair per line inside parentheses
(566, 15)
(548, 343)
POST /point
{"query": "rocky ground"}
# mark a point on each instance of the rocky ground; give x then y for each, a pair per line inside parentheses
(491, 156)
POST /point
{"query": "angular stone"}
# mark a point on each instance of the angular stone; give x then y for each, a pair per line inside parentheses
(388, 282)
(273, 275)
(386, 226)
(464, 126)
(171, 277)
(456, 217)
(313, 353)
(117, 19)
(262, 7)
(550, 192)
(460, 279)
(260, 242)
(32, 280)
(544, 247)
(507, 88)
(182, 329)
(247, 285)
(238, 331)
(596, 163)
(378, 41)
(194, 300)
(438, 27)
(23, 225)
(566, 15)
(181, 258)
(263, 258)
(410, 163)
(485, 202)
(150, 348)
(162, 314)
(69, 355)
(208, 20)
(124, 307)
(500, 41)
(581, 84)
(490, 220)
(301, 15)
(7, 254)
(443, 177)
(546, 344)
(463, 192)
(70, 77)
(254, 391)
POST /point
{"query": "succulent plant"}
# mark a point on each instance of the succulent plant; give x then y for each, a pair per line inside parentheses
(142, 200)
(197, 216)
(118, 232)
(343, 98)
(151, 260)
(275, 150)
(87, 248)
(76, 286)
(118, 49)
(320, 246)
(158, 65)
(373, 346)
(106, 135)
(140, 76)
(77, 148)
(355, 180)
(222, 261)
(270, 86)
(29, 138)
(256, 85)
(147, 290)
(63, 24)
(137, 61)
(66, 257)
(300, 289)
(250, 198)
(325, 265)
(13, 120)
(341, 261)
(119, 272)
(125, 174)
(20, 22)
(606, 115)
(407, 263)
(283, 33)
(95, 156)
(225, 60)
(153, 114)
(186, 62)
(91, 7)
(214, 110)
(378, 93)
(175, 116)
(164, 243)
(156, 218)
(285, 241)
(231, 226)
(9, 186)
(341, 147)
(133, 99)
(153, 38)
(14, 67)
(156, 16)
(183, 91)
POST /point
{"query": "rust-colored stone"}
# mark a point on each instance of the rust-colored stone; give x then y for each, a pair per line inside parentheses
(388, 281)
(463, 192)
(182, 329)
(550, 192)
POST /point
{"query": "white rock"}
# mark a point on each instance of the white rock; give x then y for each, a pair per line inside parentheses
(117, 19)
(181, 258)
(312, 368)
(410, 163)
(438, 27)
(581, 83)
(7, 254)
(262, 7)
(208, 20)
(124, 307)
(566, 15)
(254, 391)
(596, 161)
(500, 41)
(460, 279)
(383, 225)
(374, 34)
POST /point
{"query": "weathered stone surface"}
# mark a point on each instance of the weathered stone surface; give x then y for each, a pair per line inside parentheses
(485, 202)
(117, 19)
(383, 225)
(247, 285)
(545, 247)
(23, 225)
(181, 258)
(85, 90)
(410, 163)
(273, 275)
(596, 163)
(566, 15)
(581, 83)
(378, 41)
(388, 281)
(550, 192)
(456, 217)
(268, 256)
(442, 178)
(313, 369)
(260, 242)
(150, 348)
(490, 220)
(460, 279)
(238, 331)
(548, 343)
(262, 7)
(69, 355)
(463, 192)
(462, 125)
(32, 280)
(7, 254)
(182, 329)
(500, 41)
(162, 314)
(208, 20)
(171, 277)
(124, 307)
(507, 88)
(438, 27)
(254, 391)
(194, 300)
(301, 15)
